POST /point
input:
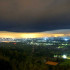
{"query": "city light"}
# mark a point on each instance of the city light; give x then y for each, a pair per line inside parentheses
(64, 56)
(44, 38)
(66, 39)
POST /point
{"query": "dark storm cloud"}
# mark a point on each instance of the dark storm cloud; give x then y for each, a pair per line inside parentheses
(32, 9)
(34, 15)
(35, 26)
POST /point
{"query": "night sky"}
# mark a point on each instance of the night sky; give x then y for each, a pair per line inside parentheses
(34, 15)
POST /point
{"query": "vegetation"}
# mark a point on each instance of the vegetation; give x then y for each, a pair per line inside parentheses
(29, 57)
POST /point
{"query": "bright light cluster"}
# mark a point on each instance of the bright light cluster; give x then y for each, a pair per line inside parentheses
(64, 56)
(30, 35)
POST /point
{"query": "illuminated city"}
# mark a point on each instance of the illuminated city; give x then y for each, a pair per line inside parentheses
(34, 34)
(51, 50)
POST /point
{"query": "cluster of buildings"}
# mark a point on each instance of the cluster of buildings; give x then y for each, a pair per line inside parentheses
(39, 41)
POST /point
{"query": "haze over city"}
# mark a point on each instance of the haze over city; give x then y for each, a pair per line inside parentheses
(54, 33)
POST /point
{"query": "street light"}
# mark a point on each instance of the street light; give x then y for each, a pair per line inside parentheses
(64, 56)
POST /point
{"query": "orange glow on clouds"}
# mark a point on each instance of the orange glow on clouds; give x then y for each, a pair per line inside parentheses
(4, 34)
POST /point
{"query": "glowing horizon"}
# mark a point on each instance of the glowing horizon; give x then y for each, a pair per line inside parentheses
(5, 34)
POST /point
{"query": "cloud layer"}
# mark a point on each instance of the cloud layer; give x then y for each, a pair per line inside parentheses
(33, 9)
(34, 15)
(60, 31)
